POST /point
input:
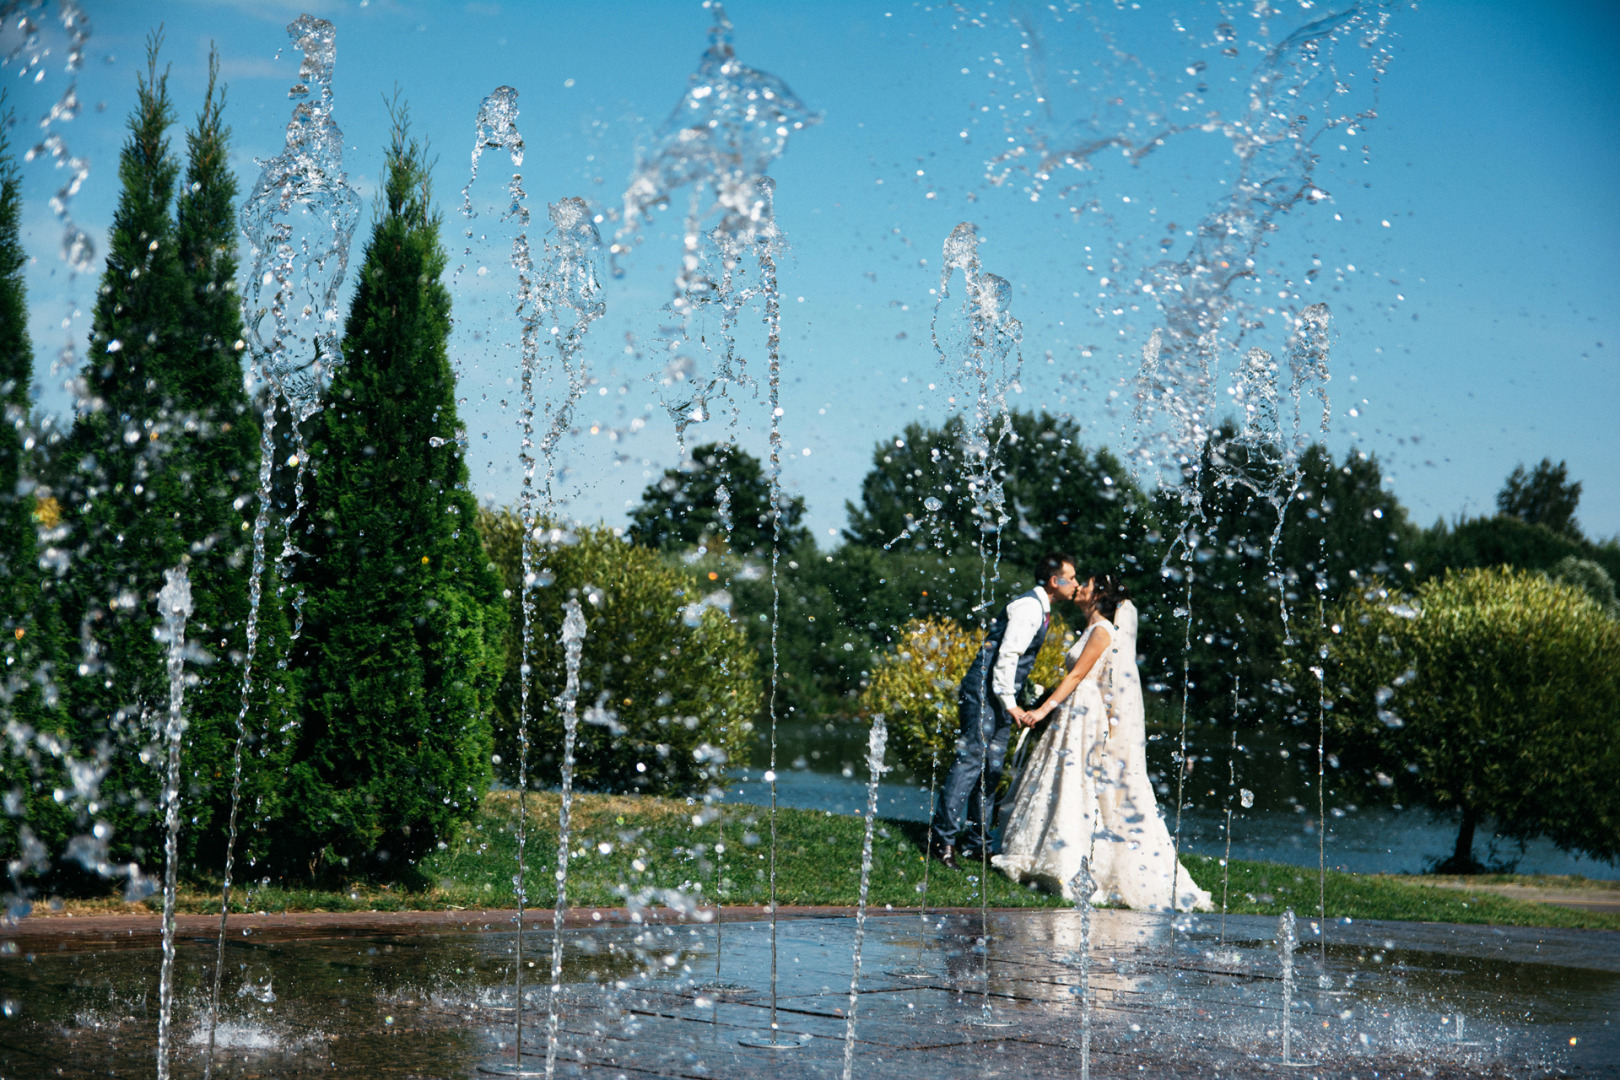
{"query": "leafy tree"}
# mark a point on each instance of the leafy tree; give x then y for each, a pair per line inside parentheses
(668, 690)
(1339, 528)
(837, 611)
(1504, 540)
(401, 650)
(684, 507)
(1543, 496)
(130, 501)
(1490, 693)
(1059, 496)
(1591, 578)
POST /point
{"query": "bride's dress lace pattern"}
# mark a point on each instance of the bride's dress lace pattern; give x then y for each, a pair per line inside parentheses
(1085, 791)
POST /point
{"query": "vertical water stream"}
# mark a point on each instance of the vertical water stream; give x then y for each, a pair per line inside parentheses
(174, 602)
(558, 302)
(299, 222)
(979, 350)
(719, 142)
(877, 741)
(573, 638)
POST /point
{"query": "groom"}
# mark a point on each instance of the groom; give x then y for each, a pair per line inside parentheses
(987, 703)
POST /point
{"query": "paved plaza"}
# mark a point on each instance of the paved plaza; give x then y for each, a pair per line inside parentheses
(432, 996)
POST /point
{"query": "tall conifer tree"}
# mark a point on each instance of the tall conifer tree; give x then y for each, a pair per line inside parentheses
(166, 455)
(19, 572)
(217, 454)
(29, 638)
(401, 649)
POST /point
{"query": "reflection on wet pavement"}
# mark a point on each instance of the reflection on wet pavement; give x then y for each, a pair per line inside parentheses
(1398, 998)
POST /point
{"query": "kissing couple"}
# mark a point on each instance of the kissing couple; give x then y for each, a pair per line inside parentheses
(1082, 805)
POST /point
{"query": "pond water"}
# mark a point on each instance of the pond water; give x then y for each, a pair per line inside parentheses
(823, 770)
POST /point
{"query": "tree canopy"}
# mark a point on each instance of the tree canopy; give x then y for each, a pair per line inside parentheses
(1492, 693)
(1542, 496)
(1058, 495)
(720, 497)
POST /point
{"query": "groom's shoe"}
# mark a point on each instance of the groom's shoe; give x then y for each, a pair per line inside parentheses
(946, 854)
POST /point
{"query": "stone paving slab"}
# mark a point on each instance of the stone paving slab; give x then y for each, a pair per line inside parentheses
(403, 997)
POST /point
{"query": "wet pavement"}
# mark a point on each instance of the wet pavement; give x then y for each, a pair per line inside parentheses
(432, 996)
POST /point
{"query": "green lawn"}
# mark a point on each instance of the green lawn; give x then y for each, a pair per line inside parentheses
(626, 846)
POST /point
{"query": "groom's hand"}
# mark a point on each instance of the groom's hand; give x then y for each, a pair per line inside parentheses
(1017, 715)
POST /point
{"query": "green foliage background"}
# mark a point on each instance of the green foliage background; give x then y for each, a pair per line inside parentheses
(914, 688)
(1488, 692)
(669, 690)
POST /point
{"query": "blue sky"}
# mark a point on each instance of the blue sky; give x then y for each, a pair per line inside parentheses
(1474, 332)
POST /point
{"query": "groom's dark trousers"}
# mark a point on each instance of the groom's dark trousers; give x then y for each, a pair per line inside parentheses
(981, 741)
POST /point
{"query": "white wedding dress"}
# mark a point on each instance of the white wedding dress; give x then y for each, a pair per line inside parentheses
(1085, 792)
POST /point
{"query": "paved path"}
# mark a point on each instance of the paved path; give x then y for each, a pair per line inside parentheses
(1602, 897)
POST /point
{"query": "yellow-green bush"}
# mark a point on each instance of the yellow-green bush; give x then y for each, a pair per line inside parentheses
(668, 690)
(914, 687)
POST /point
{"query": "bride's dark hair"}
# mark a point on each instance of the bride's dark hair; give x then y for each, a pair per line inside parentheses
(1109, 592)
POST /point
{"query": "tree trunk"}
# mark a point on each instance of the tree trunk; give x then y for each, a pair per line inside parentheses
(1462, 859)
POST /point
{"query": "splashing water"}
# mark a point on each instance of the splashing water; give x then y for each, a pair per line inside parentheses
(174, 602)
(29, 54)
(978, 347)
(1231, 782)
(877, 742)
(497, 129)
(569, 286)
(1286, 942)
(573, 637)
(1216, 290)
(299, 221)
(558, 302)
(730, 125)
(1083, 885)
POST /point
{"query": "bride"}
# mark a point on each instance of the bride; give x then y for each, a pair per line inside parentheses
(1085, 793)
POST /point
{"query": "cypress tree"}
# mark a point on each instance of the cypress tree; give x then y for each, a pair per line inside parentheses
(217, 454)
(401, 649)
(19, 573)
(126, 505)
(29, 637)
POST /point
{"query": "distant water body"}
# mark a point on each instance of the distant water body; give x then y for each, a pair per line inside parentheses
(1376, 840)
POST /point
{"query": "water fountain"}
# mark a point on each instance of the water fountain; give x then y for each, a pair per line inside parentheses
(878, 739)
(299, 222)
(729, 260)
(174, 601)
(980, 354)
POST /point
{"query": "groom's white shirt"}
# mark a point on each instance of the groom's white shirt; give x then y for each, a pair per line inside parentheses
(1024, 618)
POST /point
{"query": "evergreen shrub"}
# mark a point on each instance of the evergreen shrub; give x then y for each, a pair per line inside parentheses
(400, 653)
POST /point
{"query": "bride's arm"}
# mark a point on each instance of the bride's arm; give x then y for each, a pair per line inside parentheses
(1096, 645)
